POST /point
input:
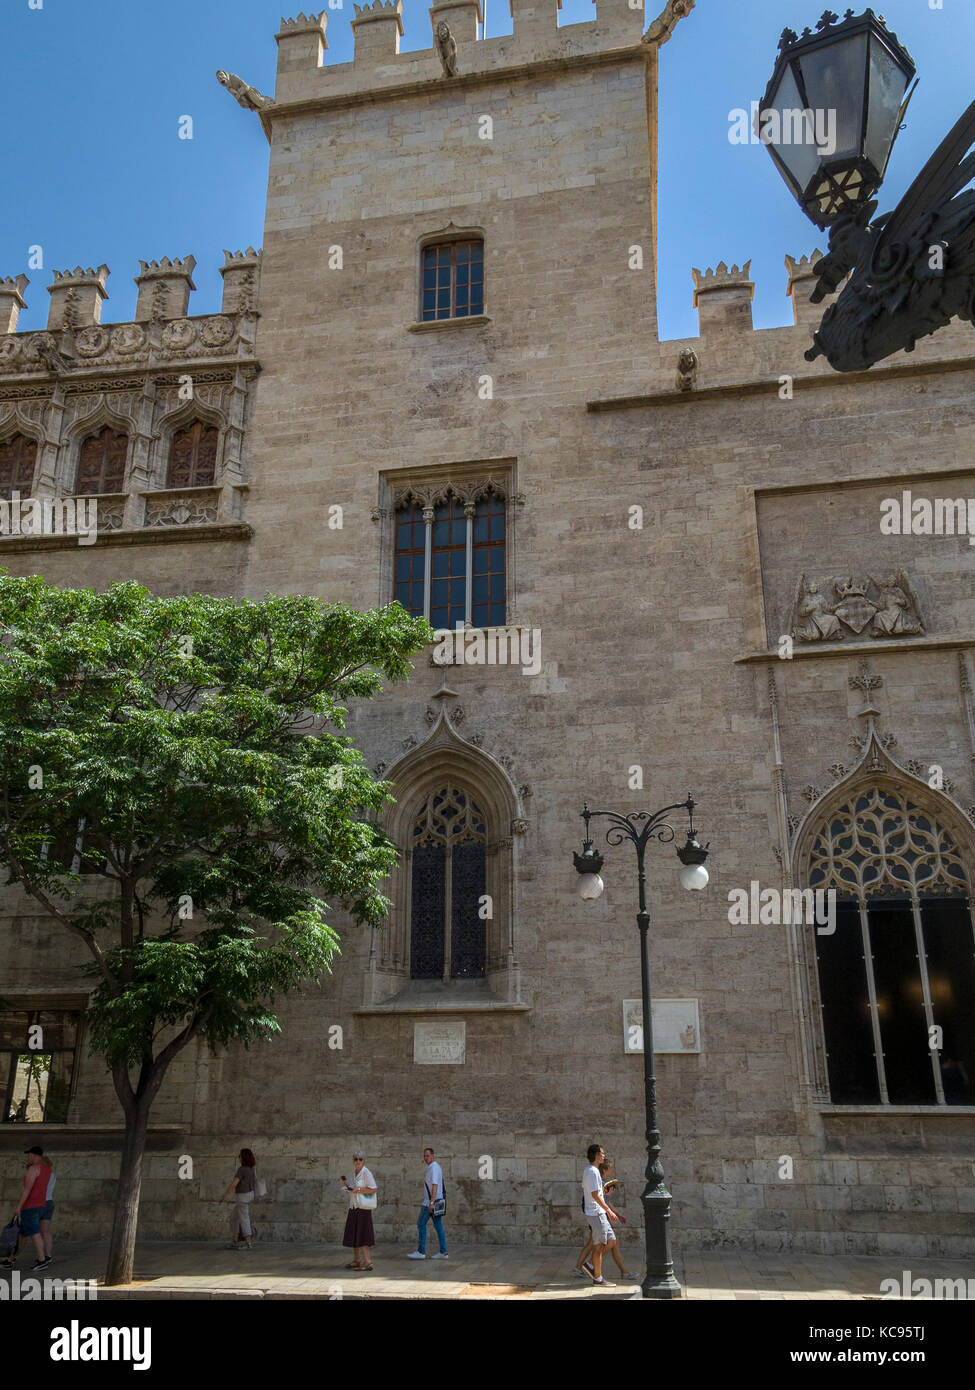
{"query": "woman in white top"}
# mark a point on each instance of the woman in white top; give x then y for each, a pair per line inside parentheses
(359, 1235)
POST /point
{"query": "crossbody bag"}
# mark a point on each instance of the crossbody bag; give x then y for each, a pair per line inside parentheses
(439, 1203)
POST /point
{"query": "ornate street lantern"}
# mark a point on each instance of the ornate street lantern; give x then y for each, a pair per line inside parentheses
(830, 117)
(832, 111)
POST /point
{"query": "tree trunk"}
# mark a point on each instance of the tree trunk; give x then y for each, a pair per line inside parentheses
(121, 1254)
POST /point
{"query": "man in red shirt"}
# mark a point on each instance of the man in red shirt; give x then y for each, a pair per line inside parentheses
(33, 1202)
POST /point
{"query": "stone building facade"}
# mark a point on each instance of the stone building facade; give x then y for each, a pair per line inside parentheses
(702, 598)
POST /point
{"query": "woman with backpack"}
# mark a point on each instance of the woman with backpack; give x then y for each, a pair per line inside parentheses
(245, 1185)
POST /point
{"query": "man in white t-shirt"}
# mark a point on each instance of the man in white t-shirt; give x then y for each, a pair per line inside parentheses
(432, 1189)
(598, 1214)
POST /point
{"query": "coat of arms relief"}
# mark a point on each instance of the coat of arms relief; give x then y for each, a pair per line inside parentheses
(830, 610)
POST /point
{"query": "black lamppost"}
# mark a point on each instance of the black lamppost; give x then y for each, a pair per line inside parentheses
(829, 119)
(641, 827)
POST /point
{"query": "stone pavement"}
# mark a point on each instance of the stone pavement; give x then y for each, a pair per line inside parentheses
(203, 1270)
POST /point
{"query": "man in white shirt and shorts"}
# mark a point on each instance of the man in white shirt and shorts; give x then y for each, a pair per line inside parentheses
(598, 1214)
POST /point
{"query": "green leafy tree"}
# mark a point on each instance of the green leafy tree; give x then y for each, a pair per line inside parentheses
(178, 796)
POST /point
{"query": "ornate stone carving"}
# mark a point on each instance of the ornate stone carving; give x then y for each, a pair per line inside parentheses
(525, 791)
(9, 350)
(216, 331)
(836, 771)
(860, 741)
(687, 365)
(128, 338)
(519, 826)
(811, 793)
(866, 680)
(380, 769)
(794, 823)
(881, 843)
(174, 509)
(178, 335)
(435, 494)
(476, 739)
(506, 761)
(664, 25)
(887, 608)
(110, 513)
(246, 96)
(456, 715)
(408, 743)
(92, 341)
(923, 771)
(446, 49)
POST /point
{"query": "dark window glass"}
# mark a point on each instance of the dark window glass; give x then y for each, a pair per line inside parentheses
(452, 280)
(17, 459)
(467, 928)
(847, 1027)
(101, 463)
(448, 882)
(193, 456)
(950, 948)
(410, 558)
(427, 908)
(488, 607)
(448, 598)
(900, 1004)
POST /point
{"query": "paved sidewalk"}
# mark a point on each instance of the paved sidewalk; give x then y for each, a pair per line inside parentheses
(203, 1270)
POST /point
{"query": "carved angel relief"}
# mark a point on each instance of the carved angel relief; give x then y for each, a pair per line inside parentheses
(831, 610)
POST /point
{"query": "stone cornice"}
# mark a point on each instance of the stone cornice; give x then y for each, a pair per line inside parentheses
(174, 535)
(827, 650)
(768, 386)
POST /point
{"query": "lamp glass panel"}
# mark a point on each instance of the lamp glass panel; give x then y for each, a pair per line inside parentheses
(801, 159)
(888, 83)
(834, 78)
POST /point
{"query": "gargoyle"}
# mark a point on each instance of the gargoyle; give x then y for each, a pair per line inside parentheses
(247, 97)
(446, 50)
(663, 27)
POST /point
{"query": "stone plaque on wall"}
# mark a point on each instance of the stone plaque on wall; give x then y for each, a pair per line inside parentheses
(676, 1026)
(440, 1044)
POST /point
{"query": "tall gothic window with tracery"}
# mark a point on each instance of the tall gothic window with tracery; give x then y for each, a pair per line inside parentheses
(101, 462)
(17, 459)
(897, 976)
(447, 931)
(450, 560)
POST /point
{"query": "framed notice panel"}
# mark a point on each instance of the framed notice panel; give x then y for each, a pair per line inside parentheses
(676, 1026)
(440, 1044)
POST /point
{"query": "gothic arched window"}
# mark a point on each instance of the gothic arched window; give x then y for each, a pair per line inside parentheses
(17, 459)
(897, 976)
(447, 929)
(193, 456)
(101, 462)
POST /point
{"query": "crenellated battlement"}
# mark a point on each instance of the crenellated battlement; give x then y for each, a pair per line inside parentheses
(164, 289)
(456, 50)
(162, 329)
(11, 302)
(723, 297)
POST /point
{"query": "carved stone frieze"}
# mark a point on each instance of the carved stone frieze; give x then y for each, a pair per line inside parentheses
(176, 509)
(831, 610)
(436, 493)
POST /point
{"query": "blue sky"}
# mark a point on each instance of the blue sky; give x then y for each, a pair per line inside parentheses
(96, 172)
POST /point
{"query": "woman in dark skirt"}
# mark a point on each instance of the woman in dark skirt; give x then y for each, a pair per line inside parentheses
(359, 1235)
